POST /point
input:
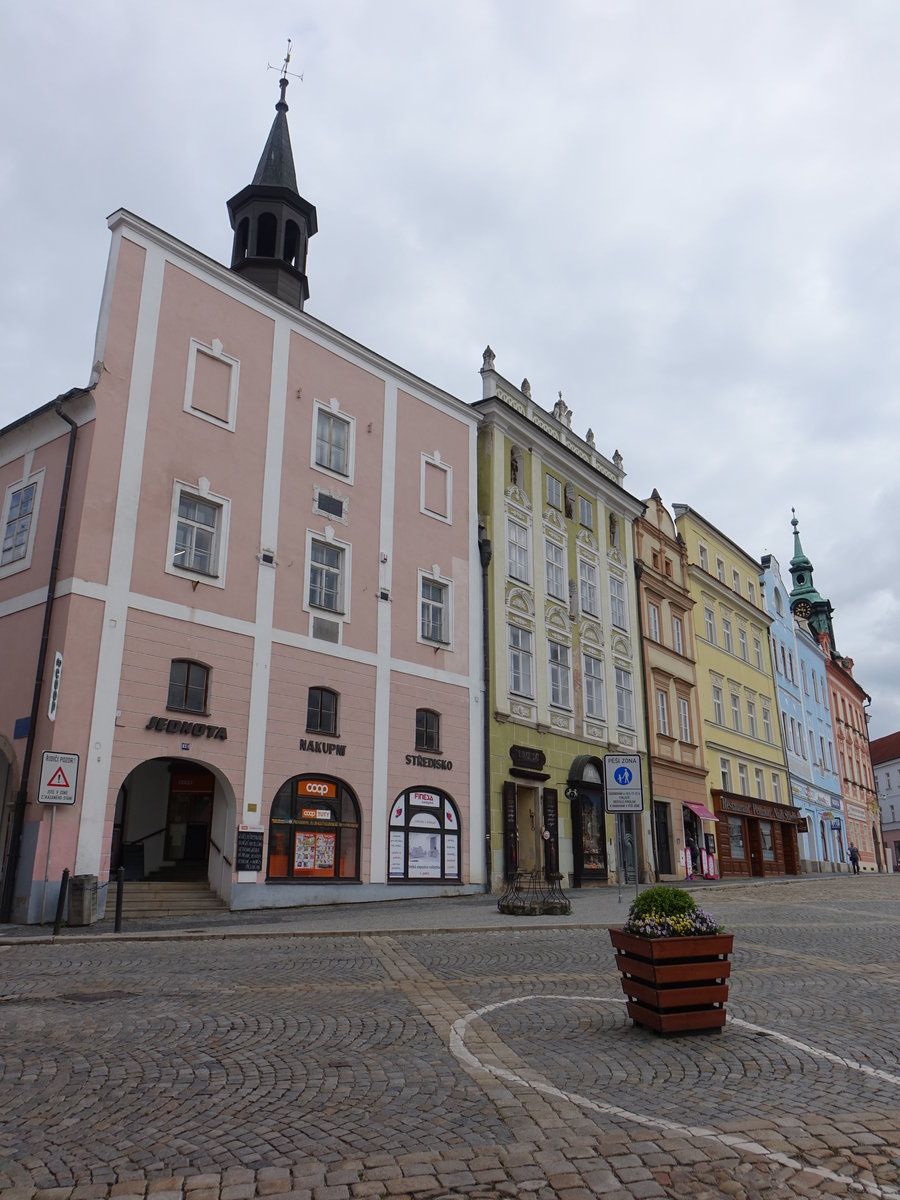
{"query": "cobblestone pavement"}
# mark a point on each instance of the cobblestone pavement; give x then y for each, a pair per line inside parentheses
(435, 1064)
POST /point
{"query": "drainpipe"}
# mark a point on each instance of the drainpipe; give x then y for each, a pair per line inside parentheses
(638, 572)
(485, 552)
(18, 820)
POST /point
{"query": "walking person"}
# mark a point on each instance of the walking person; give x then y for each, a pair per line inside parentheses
(854, 859)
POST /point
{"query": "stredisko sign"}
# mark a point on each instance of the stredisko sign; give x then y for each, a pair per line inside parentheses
(194, 728)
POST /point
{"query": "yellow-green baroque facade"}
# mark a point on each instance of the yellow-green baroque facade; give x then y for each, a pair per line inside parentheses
(565, 684)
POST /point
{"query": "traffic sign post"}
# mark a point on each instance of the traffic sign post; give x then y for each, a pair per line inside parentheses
(624, 796)
(59, 775)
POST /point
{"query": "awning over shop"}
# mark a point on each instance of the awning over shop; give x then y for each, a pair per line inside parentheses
(700, 809)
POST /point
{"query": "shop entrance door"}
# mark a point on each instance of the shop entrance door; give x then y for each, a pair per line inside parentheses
(754, 840)
(528, 826)
(188, 820)
(589, 836)
(661, 829)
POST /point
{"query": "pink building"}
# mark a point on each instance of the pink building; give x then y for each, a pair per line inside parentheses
(262, 661)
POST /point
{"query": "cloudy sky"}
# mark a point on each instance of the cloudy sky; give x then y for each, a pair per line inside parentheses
(684, 214)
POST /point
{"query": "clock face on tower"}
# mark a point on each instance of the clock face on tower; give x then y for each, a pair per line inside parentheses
(802, 609)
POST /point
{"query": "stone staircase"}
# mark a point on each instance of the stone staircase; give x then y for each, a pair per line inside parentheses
(148, 899)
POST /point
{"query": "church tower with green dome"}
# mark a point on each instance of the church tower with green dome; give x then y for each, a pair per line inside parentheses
(806, 603)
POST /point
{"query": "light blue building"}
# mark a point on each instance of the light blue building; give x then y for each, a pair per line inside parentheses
(805, 716)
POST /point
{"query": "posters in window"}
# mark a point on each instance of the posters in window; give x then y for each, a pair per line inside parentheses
(424, 855)
(305, 852)
(451, 857)
(398, 840)
(325, 851)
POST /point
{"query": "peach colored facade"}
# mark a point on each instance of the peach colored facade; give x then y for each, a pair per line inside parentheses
(209, 403)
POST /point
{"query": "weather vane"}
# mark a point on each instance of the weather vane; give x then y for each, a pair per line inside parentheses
(284, 66)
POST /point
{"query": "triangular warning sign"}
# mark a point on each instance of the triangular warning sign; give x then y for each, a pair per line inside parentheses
(58, 779)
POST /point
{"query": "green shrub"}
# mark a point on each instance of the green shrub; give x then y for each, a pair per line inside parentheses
(664, 901)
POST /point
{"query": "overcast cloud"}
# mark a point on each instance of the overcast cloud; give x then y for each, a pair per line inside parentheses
(684, 215)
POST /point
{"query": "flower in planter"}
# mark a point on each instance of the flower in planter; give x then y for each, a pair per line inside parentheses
(663, 911)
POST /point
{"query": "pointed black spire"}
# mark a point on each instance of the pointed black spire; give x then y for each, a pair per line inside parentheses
(272, 222)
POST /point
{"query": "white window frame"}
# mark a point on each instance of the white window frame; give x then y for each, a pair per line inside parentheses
(718, 697)
(22, 564)
(751, 591)
(709, 618)
(720, 569)
(520, 654)
(618, 602)
(587, 588)
(703, 557)
(678, 634)
(725, 773)
(767, 722)
(653, 621)
(435, 578)
(743, 647)
(199, 491)
(559, 674)
(727, 635)
(585, 508)
(737, 722)
(757, 653)
(555, 573)
(333, 411)
(662, 712)
(521, 548)
(594, 691)
(735, 580)
(752, 727)
(554, 492)
(776, 789)
(744, 779)
(214, 352)
(624, 698)
(343, 612)
(760, 778)
(434, 460)
(684, 720)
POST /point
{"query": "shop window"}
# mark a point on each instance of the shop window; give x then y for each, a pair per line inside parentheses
(554, 492)
(768, 844)
(593, 687)
(198, 535)
(19, 525)
(521, 658)
(326, 576)
(333, 440)
(736, 836)
(314, 831)
(617, 603)
(322, 711)
(424, 837)
(188, 686)
(555, 569)
(428, 729)
(435, 610)
(587, 574)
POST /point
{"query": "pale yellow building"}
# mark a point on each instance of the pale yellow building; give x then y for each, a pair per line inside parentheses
(749, 792)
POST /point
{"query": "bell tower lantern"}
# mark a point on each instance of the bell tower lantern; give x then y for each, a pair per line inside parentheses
(272, 222)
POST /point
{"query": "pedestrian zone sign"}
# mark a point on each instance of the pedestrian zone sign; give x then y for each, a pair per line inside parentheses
(622, 783)
(59, 774)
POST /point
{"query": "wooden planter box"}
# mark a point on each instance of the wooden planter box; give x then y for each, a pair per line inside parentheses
(676, 984)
